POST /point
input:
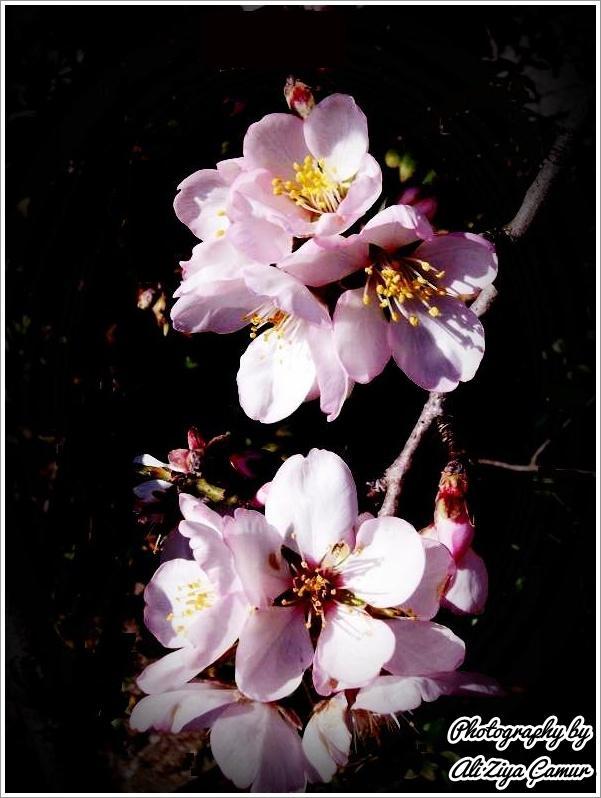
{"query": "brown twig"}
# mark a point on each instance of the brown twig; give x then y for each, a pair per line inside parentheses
(513, 231)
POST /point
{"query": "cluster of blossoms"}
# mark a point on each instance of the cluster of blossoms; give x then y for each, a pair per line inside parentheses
(307, 591)
(310, 586)
(324, 310)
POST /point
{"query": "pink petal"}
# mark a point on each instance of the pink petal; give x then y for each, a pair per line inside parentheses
(469, 590)
(252, 195)
(171, 711)
(275, 143)
(395, 227)
(169, 672)
(390, 694)
(352, 646)
(314, 498)
(214, 631)
(321, 261)
(229, 169)
(201, 196)
(259, 239)
(468, 260)
(334, 383)
(212, 555)
(254, 745)
(363, 192)
(336, 130)
(256, 548)
(388, 563)
(222, 308)
(162, 594)
(288, 294)
(424, 602)
(327, 738)
(274, 651)
(275, 376)
(211, 262)
(360, 333)
(422, 648)
(439, 352)
(202, 704)
(197, 511)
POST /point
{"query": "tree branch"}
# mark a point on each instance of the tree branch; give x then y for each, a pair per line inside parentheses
(513, 231)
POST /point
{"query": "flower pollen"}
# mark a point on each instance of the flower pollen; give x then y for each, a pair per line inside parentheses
(193, 597)
(398, 281)
(313, 188)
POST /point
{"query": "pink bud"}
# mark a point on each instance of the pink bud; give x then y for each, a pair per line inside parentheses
(195, 440)
(451, 517)
(299, 97)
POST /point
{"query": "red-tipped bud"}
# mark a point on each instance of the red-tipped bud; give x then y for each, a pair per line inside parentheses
(451, 516)
(299, 97)
(195, 440)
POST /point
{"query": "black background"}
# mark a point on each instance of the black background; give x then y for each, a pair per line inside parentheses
(108, 109)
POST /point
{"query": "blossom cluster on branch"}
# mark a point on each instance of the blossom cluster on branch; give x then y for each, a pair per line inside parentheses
(324, 310)
(295, 621)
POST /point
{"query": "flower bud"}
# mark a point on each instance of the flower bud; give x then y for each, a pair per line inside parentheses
(451, 517)
(299, 97)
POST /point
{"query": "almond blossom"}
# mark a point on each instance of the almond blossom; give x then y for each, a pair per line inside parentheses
(291, 358)
(467, 589)
(195, 606)
(411, 306)
(255, 745)
(344, 579)
(303, 177)
(203, 197)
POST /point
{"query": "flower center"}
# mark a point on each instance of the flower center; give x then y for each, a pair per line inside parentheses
(265, 315)
(406, 279)
(312, 188)
(313, 588)
(191, 599)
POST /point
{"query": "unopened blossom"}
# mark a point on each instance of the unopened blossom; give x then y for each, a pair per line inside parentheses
(299, 97)
(467, 590)
(195, 606)
(315, 580)
(302, 177)
(411, 306)
(202, 199)
(291, 357)
(255, 745)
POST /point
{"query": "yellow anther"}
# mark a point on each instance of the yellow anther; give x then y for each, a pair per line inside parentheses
(413, 321)
(221, 213)
(434, 311)
(220, 232)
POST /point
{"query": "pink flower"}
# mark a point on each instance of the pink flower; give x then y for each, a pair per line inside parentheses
(194, 606)
(203, 197)
(467, 590)
(305, 570)
(303, 177)
(291, 358)
(412, 305)
(256, 745)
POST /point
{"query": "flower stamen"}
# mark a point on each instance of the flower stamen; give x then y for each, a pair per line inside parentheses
(312, 188)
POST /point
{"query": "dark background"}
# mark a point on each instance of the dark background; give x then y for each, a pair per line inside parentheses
(107, 110)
